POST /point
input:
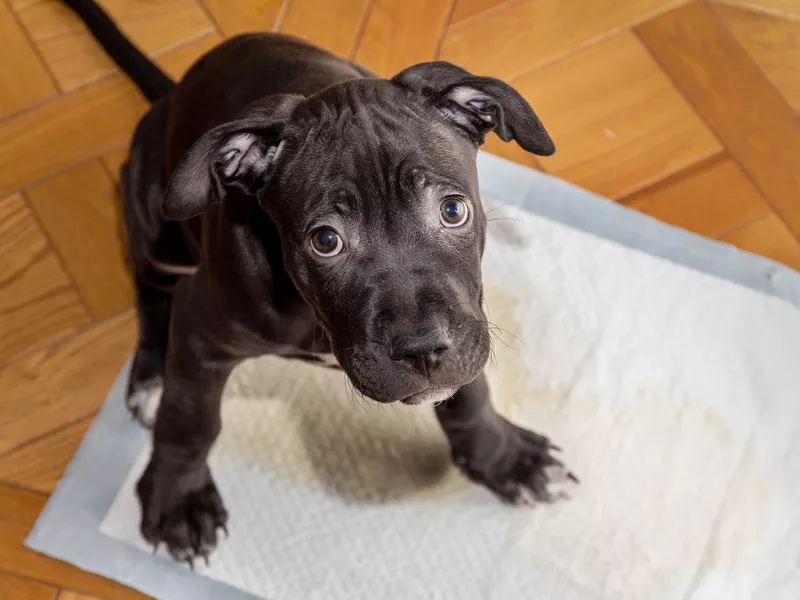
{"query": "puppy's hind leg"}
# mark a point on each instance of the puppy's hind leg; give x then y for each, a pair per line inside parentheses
(146, 381)
(154, 247)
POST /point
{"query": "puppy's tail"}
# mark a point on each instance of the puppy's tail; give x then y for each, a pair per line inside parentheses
(151, 80)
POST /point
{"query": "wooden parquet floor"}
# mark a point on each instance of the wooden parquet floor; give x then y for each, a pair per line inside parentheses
(686, 110)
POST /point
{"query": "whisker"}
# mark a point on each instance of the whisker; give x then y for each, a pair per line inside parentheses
(503, 219)
(494, 328)
(491, 210)
(506, 344)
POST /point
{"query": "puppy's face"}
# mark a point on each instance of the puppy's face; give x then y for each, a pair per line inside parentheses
(373, 188)
(382, 230)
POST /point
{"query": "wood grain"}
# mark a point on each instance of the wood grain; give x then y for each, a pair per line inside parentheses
(466, 9)
(63, 383)
(772, 42)
(19, 588)
(523, 35)
(23, 79)
(71, 129)
(81, 212)
(20, 506)
(768, 237)
(80, 125)
(636, 130)
(244, 16)
(712, 200)
(732, 95)
(40, 464)
(786, 8)
(332, 25)
(75, 58)
(18, 511)
(37, 301)
(400, 33)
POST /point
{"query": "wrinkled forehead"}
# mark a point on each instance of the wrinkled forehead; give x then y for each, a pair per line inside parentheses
(381, 143)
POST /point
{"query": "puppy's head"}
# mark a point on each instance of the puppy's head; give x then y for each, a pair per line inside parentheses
(373, 188)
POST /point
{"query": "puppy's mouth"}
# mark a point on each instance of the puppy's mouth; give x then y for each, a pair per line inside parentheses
(431, 395)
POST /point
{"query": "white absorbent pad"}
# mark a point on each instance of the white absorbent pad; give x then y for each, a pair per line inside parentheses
(675, 395)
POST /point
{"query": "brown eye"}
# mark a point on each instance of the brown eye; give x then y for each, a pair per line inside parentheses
(453, 212)
(326, 243)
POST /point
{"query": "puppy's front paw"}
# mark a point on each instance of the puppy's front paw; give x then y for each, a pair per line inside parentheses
(182, 513)
(519, 467)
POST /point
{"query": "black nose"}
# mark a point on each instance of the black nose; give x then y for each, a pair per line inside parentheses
(424, 352)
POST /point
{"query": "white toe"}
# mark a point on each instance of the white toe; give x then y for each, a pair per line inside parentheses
(526, 497)
(559, 481)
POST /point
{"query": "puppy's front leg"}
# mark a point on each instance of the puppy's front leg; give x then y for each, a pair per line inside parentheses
(514, 463)
(180, 502)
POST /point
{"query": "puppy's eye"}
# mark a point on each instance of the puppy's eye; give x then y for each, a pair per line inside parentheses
(453, 212)
(326, 243)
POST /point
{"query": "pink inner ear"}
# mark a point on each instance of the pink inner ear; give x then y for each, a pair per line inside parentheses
(235, 150)
(467, 97)
(246, 153)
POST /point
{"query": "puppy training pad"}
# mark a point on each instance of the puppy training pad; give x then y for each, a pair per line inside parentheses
(673, 391)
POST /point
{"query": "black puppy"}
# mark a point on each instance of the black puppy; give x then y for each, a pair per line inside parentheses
(280, 200)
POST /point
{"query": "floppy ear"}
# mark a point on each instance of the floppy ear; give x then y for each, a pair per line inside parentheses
(240, 154)
(478, 105)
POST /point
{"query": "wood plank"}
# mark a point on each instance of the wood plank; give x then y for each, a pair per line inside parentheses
(68, 130)
(15, 558)
(79, 125)
(37, 300)
(400, 33)
(735, 98)
(62, 383)
(81, 212)
(332, 25)
(466, 9)
(711, 200)
(13, 587)
(522, 35)
(40, 464)
(635, 130)
(23, 79)
(244, 16)
(20, 506)
(787, 8)
(773, 42)
(75, 58)
(768, 237)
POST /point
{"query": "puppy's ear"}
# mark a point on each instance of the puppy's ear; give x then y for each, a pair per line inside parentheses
(238, 154)
(478, 105)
